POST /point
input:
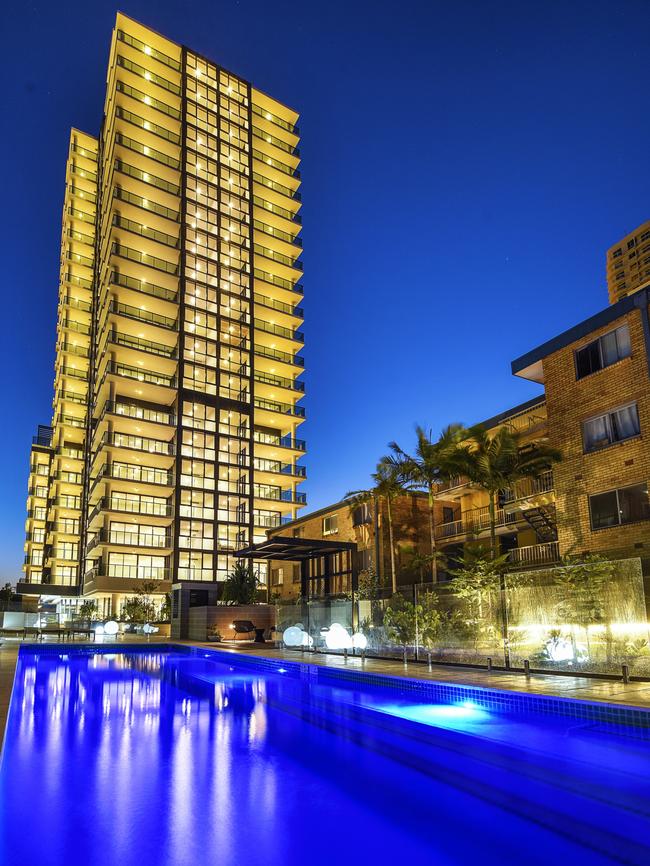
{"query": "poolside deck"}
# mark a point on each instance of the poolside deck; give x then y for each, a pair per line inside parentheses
(633, 694)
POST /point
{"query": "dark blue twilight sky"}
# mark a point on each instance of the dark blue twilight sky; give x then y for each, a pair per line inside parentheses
(466, 164)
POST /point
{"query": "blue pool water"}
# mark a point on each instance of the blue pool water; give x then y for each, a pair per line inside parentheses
(166, 757)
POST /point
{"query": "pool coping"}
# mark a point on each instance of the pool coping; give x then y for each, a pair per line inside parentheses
(500, 699)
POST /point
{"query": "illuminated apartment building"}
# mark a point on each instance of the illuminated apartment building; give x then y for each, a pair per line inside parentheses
(628, 264)
(177, 374)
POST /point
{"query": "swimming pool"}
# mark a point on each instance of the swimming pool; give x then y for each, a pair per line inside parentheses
(177, 756)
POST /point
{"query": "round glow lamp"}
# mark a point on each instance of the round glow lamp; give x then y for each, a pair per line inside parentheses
(359, 640)
(337, 637)
(111, 628)
(293, 636)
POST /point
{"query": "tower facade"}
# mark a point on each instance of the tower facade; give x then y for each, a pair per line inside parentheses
(178, 363)
(628, 264)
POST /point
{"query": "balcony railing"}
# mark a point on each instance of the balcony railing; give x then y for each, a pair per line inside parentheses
(278, 355)
(138, 443)
(528, 487)
(279, 381)
(143, 286)
(129, 372)
(143, 315)
(283, 408)
(140, 413)
(140, 344)
(535, 554)
(139, 572)
(130, 539)
(129, 506)
(473, 521)
(279, 331)
(279, 441)
(279, 468)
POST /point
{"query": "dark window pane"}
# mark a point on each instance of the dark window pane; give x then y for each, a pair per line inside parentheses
(633, 503)
(604, 510)
(588, 360)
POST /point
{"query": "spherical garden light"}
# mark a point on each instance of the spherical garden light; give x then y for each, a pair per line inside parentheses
(337, 637)
(111, 628)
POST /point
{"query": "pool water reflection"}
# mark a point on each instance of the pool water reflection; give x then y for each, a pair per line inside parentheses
(169, 758)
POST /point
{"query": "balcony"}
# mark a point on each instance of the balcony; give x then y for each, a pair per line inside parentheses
(529, 488)
(282, 408)
(270, 521)
(279, 382)
(278, 355)
(130, 539)
(535, 555)
(473, 522)
(126, 371)
(138, 413)
(122, 505)
(264, 491)
(139, 344)
(279, 331)
(279, 441)
(139, 443)
(276, 467)
(133, 473)
(135, 313)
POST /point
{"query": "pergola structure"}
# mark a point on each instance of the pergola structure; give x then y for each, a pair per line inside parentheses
(327, 563)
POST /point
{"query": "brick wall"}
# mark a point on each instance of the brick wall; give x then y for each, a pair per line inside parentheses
(569, 403)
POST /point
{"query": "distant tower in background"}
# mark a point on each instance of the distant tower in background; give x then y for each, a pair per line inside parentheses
(628, 264)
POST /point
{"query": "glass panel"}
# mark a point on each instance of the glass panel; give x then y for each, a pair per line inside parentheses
(604, 510)
(633, 503)
(623, 341)
(588, 360)
(625, 422)
(597, 433)
(609, 348)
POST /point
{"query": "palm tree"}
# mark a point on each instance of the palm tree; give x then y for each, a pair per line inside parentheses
(387, 486)
(429, 467)
(495, 461)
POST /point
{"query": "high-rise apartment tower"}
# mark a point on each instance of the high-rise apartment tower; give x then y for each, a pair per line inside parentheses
(177, 377)
(628, 264)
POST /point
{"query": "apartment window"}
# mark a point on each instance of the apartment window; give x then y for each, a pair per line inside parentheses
(617, 253)
(330, 525)
(299, 532)
(618, 507)
(611, 427)
(295, 574)
(631, 244)
(361, 514)
(603, 352)
(277, 577)
(448, 514)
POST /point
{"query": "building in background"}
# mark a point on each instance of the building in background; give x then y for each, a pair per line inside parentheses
(178, 367)
(628, 264)
(366, 525)
(595, 410)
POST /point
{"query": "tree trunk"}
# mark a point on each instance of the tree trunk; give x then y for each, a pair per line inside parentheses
(493, 525)
(432, 534)
(503, 603)
(393, 576)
